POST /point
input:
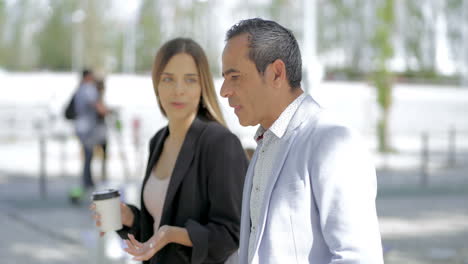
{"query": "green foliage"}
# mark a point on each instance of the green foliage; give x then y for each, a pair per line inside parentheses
(351, 31)
(343, 26)
(96, 29)
(382, 77)
(2, 32)
(13, 47)
(55, 40)
(276, 7)
(148, 35)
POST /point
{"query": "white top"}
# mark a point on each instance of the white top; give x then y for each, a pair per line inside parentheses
(268, 148)
(154, 195)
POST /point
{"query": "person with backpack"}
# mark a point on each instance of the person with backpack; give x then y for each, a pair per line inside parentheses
(88, 109)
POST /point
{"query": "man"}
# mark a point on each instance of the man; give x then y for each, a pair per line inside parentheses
(309, 194)
(88, 108)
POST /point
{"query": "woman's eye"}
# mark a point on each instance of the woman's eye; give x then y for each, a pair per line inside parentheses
(191, 80)
(235, 77)
(166, 79)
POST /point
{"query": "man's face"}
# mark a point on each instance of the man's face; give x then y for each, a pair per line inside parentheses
(243, 85)
(89, 78)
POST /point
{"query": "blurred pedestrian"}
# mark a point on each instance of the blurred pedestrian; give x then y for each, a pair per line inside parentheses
(102, 130)
(192, 189)
(88, 108)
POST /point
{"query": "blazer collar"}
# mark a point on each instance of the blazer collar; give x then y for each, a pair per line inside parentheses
(182, 165)
(306, 112)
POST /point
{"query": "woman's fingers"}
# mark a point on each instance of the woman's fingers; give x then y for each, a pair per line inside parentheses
(141, 251)
(147, 255)
(132, 249)
(134, 241)
(97, 217)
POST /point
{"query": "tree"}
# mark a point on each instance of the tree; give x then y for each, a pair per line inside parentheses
(55, 40)
(345, 27)
(382, 76)
(456, 21)
(148, 34)
(16, 44)
(95, 29)
(2, 32)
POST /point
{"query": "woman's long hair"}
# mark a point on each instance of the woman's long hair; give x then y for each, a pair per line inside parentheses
(209, 106)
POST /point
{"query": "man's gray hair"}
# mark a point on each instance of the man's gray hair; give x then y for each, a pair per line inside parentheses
(269, 41)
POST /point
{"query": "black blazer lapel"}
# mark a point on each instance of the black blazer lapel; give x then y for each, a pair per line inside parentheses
(155, 153)
(182, 165)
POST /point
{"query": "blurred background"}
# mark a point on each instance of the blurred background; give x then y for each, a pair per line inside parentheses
(395, 70)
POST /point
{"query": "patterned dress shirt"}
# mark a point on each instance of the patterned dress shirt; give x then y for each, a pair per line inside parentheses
(268, 147)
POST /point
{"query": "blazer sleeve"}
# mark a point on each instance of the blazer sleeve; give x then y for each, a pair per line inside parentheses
(345, 189)
(225, 166)
(135, 228)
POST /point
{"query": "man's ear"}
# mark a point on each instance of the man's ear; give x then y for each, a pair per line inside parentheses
(278, 69)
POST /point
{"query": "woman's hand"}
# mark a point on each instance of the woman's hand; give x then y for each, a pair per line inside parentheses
(125, 212)
(145, 251)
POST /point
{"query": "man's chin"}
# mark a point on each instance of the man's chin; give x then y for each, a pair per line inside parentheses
(244, 123)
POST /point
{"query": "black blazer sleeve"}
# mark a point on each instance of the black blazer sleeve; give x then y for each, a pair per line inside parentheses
(135, 229)
(225, 164)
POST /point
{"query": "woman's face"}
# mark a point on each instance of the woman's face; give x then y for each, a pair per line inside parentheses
(179, 87)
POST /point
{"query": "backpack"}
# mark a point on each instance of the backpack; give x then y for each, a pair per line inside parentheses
(70, 112)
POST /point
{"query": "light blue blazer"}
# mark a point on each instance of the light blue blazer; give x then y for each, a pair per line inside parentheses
(319, 202)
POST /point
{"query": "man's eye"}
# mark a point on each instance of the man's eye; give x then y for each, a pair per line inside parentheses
(235, 77)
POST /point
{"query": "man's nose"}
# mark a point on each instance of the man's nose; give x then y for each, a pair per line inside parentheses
(225, 90)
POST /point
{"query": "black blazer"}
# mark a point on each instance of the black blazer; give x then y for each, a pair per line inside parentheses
(204, 195)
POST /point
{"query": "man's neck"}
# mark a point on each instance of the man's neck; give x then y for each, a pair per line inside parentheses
(280, 106)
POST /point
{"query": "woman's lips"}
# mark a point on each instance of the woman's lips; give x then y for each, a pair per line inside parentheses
(178, 105)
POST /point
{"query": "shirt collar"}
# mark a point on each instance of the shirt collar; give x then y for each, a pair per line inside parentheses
(281, 124)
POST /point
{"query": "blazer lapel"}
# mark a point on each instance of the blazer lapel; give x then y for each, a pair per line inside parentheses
(155, 153)
(305, 112)
(183, 162)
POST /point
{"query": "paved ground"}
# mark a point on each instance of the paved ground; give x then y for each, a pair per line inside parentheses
(425, 228)
(49, 230)
(418, 225)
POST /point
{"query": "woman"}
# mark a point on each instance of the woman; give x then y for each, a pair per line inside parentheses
(192, 190)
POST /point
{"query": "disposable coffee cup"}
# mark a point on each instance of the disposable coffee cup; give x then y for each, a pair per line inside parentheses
(108, 206)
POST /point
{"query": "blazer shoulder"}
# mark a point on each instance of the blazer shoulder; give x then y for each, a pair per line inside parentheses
(329, 125)
(214, 131)
(216, 134)
(326, 131)
(333, 135)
